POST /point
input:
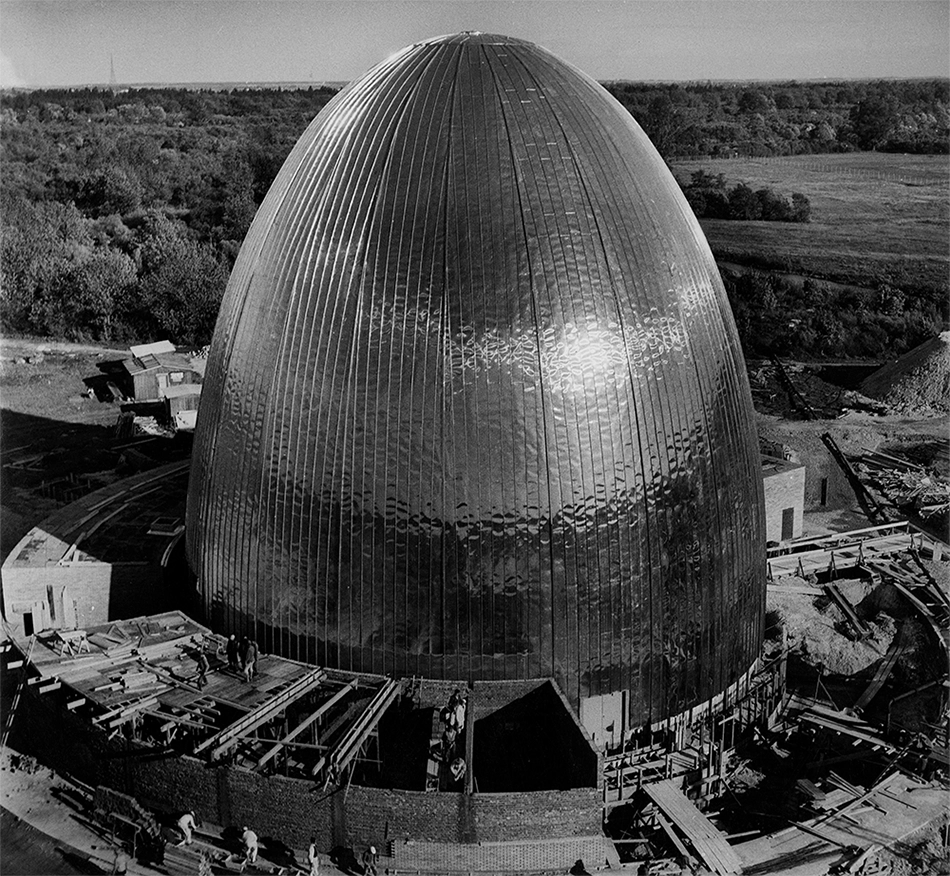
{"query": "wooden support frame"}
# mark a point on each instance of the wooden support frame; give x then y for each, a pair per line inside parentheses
(847, 609)
(232, 734)
(351, 743)
(307, 722)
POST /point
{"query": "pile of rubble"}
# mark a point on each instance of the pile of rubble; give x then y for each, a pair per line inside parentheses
(918, 383)
(927, 495)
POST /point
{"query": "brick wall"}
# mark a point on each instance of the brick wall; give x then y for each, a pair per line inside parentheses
(435, 694)
(374, 815)
(784, 488)
(490, 696)
(292, 810)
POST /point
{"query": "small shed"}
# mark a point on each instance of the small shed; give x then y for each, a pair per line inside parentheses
(154, 368)
(184, 397)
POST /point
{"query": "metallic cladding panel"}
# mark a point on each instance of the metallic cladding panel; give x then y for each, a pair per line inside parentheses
(475, 405)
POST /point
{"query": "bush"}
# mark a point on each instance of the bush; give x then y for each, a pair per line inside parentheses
(709, 198)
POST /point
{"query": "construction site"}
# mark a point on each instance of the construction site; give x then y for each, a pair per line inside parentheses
(831, 752)
(644, 608)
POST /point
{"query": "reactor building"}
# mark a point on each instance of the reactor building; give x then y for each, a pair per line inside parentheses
(475, 407)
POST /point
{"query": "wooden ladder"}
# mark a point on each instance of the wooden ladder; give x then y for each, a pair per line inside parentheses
(8, 725)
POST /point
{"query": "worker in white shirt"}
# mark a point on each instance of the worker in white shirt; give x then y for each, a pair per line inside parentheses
(186, 824)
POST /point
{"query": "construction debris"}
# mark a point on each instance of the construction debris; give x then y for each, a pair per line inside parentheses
(905, 483)
(918, 383)
(925, 494)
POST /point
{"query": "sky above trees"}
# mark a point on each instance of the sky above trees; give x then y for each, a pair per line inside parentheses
(70, 42)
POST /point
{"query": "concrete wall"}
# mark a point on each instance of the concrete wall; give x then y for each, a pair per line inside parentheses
(784, 488)
(81, 594)
(292, 810)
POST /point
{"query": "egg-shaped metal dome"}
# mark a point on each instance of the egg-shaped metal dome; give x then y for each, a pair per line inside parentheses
(475, 405)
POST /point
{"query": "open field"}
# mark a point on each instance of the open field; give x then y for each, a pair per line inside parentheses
(874, 217)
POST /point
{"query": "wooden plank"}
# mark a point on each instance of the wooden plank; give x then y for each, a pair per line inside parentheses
(847, 609)
(702, 834)
(911, 598)
(883, 672)
(126, 708)
(822, 835)
(173, 719)
(351, 743)
(848, 730)
(353, 709)
(668, 829)
(811, 789)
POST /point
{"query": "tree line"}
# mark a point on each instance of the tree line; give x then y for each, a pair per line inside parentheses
(791, 118)
(779, 316)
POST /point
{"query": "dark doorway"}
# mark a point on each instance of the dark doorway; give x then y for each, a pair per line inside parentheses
(28, 624)
(824, 491)
(532, 744)
(788, 523)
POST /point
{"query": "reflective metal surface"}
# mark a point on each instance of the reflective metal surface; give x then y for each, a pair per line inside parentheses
(475, 405)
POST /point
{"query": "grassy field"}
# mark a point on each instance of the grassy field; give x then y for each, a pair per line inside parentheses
(874, 217)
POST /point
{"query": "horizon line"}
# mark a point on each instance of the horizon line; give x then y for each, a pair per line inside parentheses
(341, 83)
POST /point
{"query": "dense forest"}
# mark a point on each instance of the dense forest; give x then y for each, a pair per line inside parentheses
(791, 118)
(121, 214)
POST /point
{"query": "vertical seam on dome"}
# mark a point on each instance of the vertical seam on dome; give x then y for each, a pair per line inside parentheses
(618, 308)
(371, 223)
(440, 383)
(516, 176)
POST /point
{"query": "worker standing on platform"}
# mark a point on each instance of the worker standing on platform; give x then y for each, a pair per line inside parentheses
(203, 667)
(250, 659)
(231, 650)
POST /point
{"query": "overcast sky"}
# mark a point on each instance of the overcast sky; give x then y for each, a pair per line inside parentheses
(69, 42)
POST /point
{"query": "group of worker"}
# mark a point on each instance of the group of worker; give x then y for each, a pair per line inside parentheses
(369, 860)
(249, 842)
(453, 719)
(242, 655)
